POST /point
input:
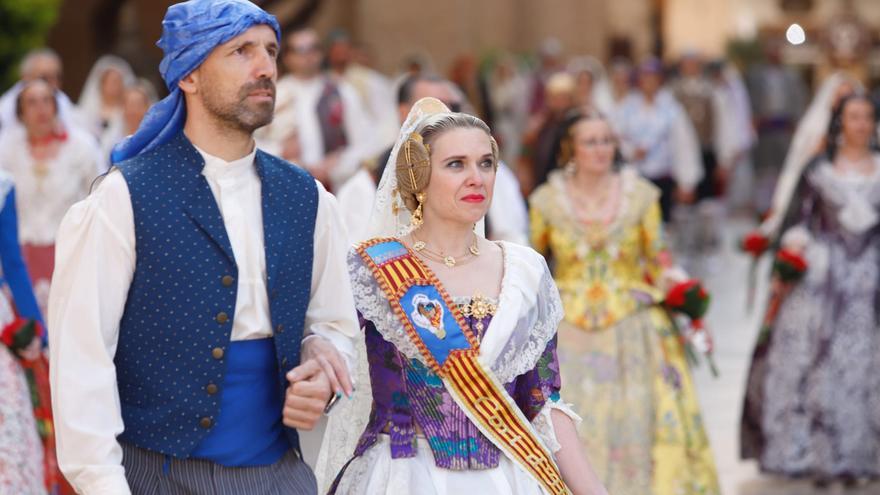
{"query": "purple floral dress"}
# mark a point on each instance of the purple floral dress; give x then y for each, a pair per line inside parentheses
(407, 395)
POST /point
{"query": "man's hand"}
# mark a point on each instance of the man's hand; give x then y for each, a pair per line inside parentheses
(331, 362)
(306, 396)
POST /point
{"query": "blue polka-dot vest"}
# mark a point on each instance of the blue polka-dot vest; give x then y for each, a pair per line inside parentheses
(178, 316)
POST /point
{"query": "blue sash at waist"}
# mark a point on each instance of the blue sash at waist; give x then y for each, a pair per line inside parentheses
(248, 431)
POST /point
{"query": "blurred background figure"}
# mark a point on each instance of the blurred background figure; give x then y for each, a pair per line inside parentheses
(537, 159)
(658, 138)
(508, 101)
(374, 89)
(550, 61)
(53, 166)
(592, 90)
(100, 104)
(738, 135)
(812, 404)
(778, 99)
(335, 131)
(43, 64)
(621, 74)
(136, 100)
(465, 73)
(712, 116)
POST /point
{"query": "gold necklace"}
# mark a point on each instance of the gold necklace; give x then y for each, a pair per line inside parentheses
(421, 247)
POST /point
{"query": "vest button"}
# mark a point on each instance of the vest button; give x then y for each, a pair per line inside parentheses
(279, 328)
(217, 353)
(206, 422)
(222, 317)
(211, 389)
(284, 362)
(227, 280)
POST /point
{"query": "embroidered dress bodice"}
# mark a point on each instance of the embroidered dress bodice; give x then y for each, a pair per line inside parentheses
(604, 273)
(409, 400)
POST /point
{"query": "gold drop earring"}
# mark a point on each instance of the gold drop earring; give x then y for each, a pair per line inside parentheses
(417, 215)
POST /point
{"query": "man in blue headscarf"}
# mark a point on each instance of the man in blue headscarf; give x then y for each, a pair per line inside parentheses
(201, 311)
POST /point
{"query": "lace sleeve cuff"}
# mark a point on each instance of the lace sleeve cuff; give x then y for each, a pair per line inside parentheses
(544, 425)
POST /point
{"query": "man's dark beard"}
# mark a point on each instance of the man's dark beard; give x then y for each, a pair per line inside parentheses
(240, 114)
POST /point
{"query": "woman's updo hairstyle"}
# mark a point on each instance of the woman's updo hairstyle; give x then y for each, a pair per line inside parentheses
(414, 156)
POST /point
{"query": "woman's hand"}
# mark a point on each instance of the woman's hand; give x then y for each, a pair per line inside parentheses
(330, 361)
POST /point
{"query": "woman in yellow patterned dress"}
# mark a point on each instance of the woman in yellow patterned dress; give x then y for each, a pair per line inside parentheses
(600, 226)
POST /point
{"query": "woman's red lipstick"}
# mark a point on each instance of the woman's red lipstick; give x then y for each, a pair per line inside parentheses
(474, 198)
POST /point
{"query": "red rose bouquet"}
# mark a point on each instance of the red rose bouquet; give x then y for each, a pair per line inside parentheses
(690, 299)
(754, 243)
(19, 334)
(789, 266)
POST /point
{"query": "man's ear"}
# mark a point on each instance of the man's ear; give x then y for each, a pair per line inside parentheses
(190, 83)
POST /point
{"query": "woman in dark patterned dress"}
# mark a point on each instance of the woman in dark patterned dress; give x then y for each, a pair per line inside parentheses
(812, 405)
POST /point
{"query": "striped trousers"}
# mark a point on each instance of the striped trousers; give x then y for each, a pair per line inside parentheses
(147, 474)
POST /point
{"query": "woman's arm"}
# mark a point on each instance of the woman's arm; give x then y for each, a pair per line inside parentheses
(13, 265)
(572, 459)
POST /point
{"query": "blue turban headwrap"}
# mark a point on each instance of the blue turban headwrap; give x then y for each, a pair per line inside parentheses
(190, 31)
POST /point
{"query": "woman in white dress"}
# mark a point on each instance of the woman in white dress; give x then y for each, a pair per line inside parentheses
(466, 392)
(52, 167)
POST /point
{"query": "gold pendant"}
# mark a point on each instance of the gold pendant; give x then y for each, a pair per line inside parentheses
(449, 261)
(418, 246)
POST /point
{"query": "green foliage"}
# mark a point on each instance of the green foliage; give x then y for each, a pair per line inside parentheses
(24, 25)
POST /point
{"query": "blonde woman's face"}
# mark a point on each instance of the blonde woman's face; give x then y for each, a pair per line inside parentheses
(593, 144)
(462, 177)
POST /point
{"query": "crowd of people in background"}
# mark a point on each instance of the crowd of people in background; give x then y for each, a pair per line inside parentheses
(620, 174)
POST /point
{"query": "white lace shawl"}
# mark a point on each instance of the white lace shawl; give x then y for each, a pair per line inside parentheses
(529, 311)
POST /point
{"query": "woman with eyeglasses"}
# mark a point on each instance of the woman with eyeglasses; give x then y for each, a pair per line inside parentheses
(600, 225)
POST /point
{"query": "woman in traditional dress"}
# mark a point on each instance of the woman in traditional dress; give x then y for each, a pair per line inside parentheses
(460, 334)
(620, 358)
(52, 168)
(812, 404)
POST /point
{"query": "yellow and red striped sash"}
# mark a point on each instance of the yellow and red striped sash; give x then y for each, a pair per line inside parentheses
(435, 325)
